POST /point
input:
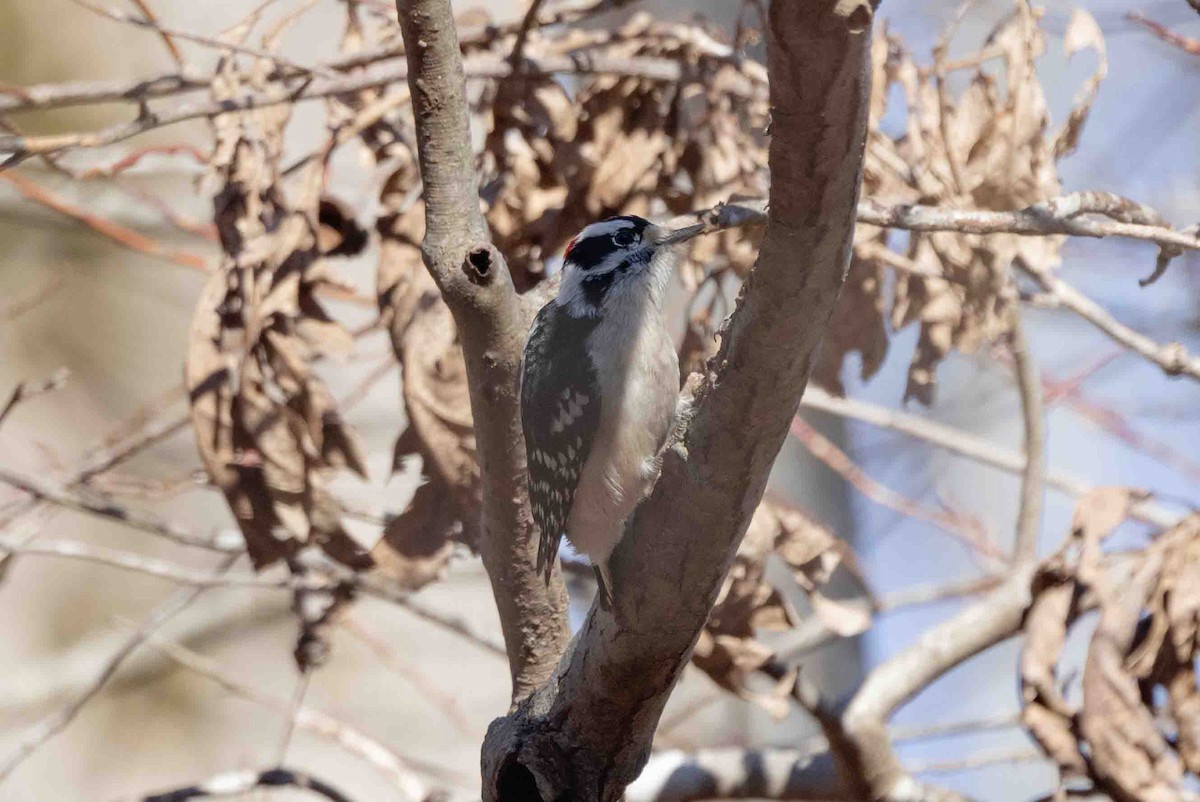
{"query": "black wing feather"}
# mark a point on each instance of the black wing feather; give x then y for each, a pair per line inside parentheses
(560, 412)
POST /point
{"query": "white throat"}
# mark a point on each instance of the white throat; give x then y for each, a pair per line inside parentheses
(638, 289)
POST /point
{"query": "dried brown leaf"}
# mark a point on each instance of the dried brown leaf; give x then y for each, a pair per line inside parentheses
(417, 544)
(1130, 757)
(1083, 33)
(1047, 715)
(266, 427)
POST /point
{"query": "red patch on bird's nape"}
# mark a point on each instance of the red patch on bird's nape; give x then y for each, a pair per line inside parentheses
(570, 245)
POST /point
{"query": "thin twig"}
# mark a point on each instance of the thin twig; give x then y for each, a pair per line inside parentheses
(980, 760)
(166, 36)
(307, 719)
(161, 569)
(412, 674)
(236, 783)
(223, 44)
(965, 529)
(1033, 476)
(16, 306)
(479, 67)
(50, 726)
(25, 392)
(966, 445)
(1173, 358)
(123, 236)
(1184, 43)
(142, 521)
(528, 23)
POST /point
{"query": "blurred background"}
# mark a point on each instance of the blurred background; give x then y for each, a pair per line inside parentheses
(118, 321)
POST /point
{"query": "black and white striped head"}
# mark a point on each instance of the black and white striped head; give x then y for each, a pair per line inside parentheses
(618, 259)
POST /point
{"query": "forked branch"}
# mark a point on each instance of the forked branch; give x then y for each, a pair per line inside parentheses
(475, 282)
(587, 733)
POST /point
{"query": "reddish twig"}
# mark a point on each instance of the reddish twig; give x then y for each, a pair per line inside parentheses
(132, 158)
(965, 529)
(1185, 43)
(14, 308)
(126, 237)
(166, 37)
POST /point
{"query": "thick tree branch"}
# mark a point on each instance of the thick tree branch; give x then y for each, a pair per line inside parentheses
(475, 282)
(586, 734)
(867, 753)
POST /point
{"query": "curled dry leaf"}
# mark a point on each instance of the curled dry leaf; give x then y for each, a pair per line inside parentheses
(267, 429)
(984, 147)
(1146, 639)
(728, 649)
(1050, 719)
(440, 428)
(1166, 651)
(1083, 33)
(1131, 758)
(1101, 511)
(571, 153)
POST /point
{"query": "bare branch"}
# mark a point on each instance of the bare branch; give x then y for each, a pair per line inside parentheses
(25, 392)
(50, 726)
(223, 44)
(352, 740)
(146, 522)
(72, 94)
(492, 323)
(961, 527)
(236, 783)
(1172, 358)
(126, 237)
(779, 774)
(868, 752)
(1060, 215)
(167, 40)
(16, 306)
(967, 445)
(150, 566)
(1184, 43)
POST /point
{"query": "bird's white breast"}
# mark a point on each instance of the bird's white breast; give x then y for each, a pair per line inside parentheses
(638, 375)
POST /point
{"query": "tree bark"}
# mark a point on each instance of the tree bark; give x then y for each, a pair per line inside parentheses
(587, 733)
(474, 280)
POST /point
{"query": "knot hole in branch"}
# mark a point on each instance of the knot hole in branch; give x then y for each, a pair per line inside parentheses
(516, 783)
(857, 13)
(480, 265)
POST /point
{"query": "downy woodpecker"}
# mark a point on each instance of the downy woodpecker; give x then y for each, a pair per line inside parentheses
(599, 384)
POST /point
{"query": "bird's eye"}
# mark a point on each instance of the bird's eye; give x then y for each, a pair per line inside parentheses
(624, 238)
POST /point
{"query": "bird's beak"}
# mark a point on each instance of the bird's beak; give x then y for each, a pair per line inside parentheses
(681, 235)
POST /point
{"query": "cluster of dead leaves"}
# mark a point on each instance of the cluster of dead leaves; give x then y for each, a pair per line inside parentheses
(986, 145)
(560, 152)
(267, 428)
(749, 604)
(1136, 732)
(564, 153)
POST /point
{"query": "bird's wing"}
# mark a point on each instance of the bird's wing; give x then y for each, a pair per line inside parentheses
(560, 413)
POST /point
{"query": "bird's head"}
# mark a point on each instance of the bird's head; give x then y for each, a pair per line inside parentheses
(620, 259)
